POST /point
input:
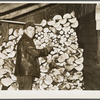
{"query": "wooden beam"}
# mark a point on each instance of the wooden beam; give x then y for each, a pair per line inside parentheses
(23, 11)
(5, 31)
(13, 22)
(6, 7)
(16, 22)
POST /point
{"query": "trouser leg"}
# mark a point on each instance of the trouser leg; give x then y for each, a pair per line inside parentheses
(25, 82)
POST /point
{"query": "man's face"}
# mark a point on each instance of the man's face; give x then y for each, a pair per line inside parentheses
(30, 31)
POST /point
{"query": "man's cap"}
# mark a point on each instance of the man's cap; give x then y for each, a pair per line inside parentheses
(28, 24)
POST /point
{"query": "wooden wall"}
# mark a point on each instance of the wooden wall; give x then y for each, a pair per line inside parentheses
(88, 40)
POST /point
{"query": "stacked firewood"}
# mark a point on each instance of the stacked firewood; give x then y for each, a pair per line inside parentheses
(61, 69)
(8, 60)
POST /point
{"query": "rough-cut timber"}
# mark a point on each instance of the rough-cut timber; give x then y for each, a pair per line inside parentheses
(22, 11)
(10, 6)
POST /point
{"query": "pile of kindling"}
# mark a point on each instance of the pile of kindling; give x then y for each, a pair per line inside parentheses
(61, 69)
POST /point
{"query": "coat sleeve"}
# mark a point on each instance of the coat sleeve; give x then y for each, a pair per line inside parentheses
(36, 52)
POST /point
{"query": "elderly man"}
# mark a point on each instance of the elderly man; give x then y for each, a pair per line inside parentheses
(27, 65)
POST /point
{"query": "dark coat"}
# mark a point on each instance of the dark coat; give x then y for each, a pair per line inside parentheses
(27, 57)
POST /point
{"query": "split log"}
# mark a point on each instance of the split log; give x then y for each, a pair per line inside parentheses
(51, 22)
(1, 62)
(10, 43)
(79, 61)
(44, 68)
(9, 49)
(61, 70)
(43, 23)
(6, 81)
(74, 46)
(9, 63)
(20, 31)
(48, 79)
(79, 67)
(59, 28)
(12, 54)
(15, 33)
(39, 29)
(75, 24)
(67, 16)
(11, 37)
(72, 20)
(72, 14)
(57, 17)
(4, 44)
(13, 77)
(3, 56)
(13, 86)
(63, 57)
(57, 24)
(71, 60)
(63, 21)
(46, 30)
(66, 24)
(10, 31)
(66, 29)
(69, 67)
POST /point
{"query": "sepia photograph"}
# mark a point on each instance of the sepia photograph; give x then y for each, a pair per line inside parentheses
(49, 46)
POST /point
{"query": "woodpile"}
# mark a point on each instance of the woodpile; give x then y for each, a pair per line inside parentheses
(61, 69)
(8, 60)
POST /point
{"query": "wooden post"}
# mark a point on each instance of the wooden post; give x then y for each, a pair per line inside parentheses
(97, 17)
(13, 22)
(5, 31)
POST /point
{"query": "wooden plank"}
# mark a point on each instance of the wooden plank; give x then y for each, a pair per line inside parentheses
(15, 26)
(89, 62)
(90, 55)
(90, 47)
(94, 79)
(23, 11)
(85, 9)
(89, 40)
(53, 10)
(98, 38)
(97, 72)
(86, 28)
(14, 22)
(93, 84)
(9, 6)
(88, 72)
(87, 17)
(1, 39)
(97, 16)
(5, 31)
(36, 16)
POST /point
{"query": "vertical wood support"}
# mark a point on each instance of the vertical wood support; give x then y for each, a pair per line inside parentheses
(5, 31)
(97, 16)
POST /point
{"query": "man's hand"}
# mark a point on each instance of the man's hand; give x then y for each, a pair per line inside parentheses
(49, 48)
